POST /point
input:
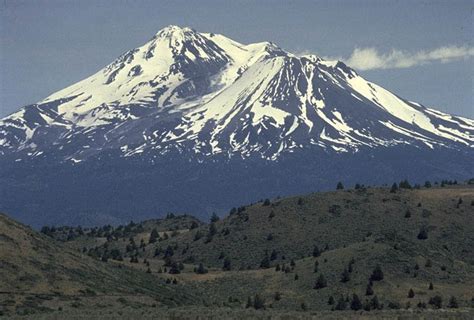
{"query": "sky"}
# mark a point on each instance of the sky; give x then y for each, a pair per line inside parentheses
(419, 50)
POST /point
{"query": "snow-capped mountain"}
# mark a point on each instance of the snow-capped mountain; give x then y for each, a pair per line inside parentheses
(202, 98)
(185, 90)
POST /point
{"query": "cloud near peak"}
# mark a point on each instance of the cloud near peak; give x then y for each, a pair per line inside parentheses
(371, 58)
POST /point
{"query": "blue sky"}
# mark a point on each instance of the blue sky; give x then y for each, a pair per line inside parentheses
(420, 50)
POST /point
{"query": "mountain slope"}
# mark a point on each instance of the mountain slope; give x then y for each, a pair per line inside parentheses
(172, 113)
(207, 93)
(36, 270)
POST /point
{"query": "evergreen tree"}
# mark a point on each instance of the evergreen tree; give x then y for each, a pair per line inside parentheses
(153, 236)
(249, 303)
(227, 264)
(258, 302)
(345, 276)
(430, 286)
(369, 291)
(405, 184)
(320, 282)
(303, 306)
(214, 217)
(265, 263)
(355, 303)
(331, 300)
(427, 184)
(408, 213)
(277, 296)
(375, 304)
(200, 269)
(174, 268)
(423, 234)
(339, 186)
(273, 255)
(377, 274)
(271, 215)
(411, 293)
(316, 251)
(394, 188)
(266, 202)
(316, 266)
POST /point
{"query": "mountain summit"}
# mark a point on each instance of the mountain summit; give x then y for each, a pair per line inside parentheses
(203, 100)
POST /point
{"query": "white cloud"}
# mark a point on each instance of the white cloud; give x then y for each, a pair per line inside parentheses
(371, 58)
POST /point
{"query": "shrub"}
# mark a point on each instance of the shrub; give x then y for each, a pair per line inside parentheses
(453, 303)
(436, 302)
(341, 304)
(423, 234)
(200, 269)
(377, 274)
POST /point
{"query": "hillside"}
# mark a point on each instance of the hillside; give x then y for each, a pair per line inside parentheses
(38, 274)
(421, 239)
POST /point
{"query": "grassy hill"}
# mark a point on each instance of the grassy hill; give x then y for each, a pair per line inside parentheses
(40, 274)
(420, 239)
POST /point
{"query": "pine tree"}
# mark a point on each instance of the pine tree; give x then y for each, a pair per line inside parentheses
(266, 202)
(227, 264)
(273, 255)
(265, 263)
(331, 300)
(345, 276)
(153, 236)
(423, 234)
(316, 266)
(377, 274)
(369, 291)
(411, 293)
(320, 282)
(249, 303)
(316, 251)
(214, 217)
(355, 303)
(375, 304)
(258, 302)
(200, 269)
(394, 188)
(339, 186)
(277, 296)
(430, 286)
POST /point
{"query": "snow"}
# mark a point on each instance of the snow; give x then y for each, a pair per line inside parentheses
(250, 88)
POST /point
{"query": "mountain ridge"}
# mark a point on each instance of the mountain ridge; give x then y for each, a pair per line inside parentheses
(200, 116)
(209, 94)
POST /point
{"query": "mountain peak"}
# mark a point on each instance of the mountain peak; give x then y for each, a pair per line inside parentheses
(172, 31)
